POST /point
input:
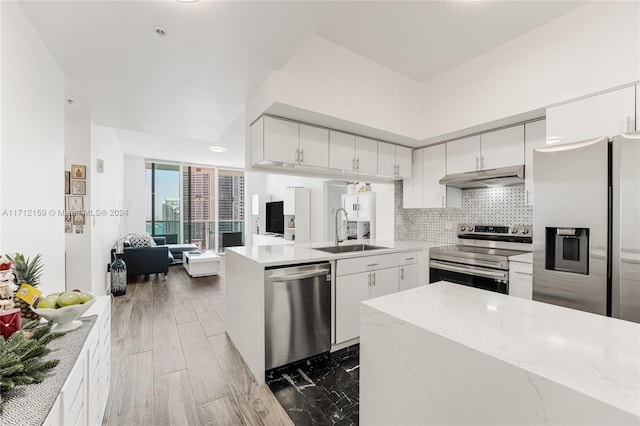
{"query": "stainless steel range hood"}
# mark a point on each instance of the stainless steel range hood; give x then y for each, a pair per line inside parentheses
(503, 176)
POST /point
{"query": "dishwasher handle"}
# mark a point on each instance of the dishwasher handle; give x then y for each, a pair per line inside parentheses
(293, 277)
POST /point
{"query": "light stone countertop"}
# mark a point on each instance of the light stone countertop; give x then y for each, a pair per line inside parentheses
(284, 254)
(591, 354)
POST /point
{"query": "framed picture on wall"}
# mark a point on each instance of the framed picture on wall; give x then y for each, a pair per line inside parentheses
(78, 187)
(79, 229)
(67, 180)
(78, 219)
(78, 172)
(75, 203)
(68, 228)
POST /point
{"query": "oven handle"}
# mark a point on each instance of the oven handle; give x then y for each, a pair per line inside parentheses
(475, 262)
(468, 270)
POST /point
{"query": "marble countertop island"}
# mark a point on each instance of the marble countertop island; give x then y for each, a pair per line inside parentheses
(451, 354)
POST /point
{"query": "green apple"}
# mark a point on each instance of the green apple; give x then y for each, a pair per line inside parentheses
(48, 302)
(68, 299)
(86, 296)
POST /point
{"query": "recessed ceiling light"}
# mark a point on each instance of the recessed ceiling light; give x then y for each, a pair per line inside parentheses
(217, 149)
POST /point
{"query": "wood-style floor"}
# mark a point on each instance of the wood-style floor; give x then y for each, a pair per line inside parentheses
(172, 363)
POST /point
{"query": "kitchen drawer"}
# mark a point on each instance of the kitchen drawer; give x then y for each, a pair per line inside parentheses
(521, 280)
(407, 258)
(366, 263)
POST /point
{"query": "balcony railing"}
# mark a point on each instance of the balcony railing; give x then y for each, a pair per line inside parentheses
(203, 232)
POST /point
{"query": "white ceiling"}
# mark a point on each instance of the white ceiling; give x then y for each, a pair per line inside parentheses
(189, 87)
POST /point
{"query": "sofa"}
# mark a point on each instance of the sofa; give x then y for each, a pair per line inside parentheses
(152, 260)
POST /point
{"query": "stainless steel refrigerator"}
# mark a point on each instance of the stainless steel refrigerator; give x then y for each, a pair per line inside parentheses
(586, 226)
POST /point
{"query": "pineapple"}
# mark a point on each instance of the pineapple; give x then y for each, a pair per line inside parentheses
(26, 271)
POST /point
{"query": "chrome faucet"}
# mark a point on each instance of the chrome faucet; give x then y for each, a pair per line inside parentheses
(337, 241)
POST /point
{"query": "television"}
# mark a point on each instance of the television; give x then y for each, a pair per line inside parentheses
(275, 217)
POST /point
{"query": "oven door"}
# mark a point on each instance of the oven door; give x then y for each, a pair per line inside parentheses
(472, 276)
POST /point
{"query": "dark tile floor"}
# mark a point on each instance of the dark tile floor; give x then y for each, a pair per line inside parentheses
(322, 390)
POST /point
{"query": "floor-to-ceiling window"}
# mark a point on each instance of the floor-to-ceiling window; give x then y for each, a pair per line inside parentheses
(202, 205)
(162, 192)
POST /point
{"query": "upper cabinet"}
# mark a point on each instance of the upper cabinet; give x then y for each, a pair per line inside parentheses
(352, 153)
(314, 146)
(499, 148)
(607, 114)
(463, 155)
(434, 195)
(394, 160)
(342, 150)
(423, 190)
(502, 148)
(366, 155)
(285, 141)
(280, 143)
(535, 137)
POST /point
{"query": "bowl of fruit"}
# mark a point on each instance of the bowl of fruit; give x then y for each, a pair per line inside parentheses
(63, 309)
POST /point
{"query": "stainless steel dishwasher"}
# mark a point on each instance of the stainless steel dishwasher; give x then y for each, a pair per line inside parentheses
(297, 312)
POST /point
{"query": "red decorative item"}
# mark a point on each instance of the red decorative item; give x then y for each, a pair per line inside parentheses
(5, 265)
(9, 322)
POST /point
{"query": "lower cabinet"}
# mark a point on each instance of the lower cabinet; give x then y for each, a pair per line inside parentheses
(83, 397)
(363, 278)
(521, 280)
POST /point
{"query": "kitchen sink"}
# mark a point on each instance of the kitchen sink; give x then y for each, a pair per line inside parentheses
(349, 248)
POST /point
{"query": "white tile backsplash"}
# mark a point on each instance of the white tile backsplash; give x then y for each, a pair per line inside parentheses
(487, 206)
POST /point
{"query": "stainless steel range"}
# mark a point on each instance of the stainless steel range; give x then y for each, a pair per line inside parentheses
(481, 259)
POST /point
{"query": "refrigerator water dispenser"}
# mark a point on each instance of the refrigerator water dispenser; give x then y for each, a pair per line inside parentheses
(567, 250)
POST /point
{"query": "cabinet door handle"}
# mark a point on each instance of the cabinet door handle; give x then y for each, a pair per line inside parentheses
(477, 162)
(297, 156)
(482, 162)
(374, 278)
(357, 164)
(444, 201)
(302, 155)
(402, 273)
(523, 273)
(409, 258)
(371, 264)
(369, 279)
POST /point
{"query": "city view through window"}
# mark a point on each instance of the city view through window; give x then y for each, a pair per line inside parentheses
(199, 205)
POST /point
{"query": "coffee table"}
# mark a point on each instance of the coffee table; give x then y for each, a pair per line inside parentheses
(201, 265)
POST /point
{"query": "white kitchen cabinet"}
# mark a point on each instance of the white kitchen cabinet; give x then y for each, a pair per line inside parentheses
(607, 114)
(297, 209)
(408, 271)
(366, 155)
(412, 188)
(394, 160)
(83, 397)
(435, 195)
(521, 280)
(502, 148)
(361, 209)
(277, 140)
(350, 291)
(535, 137)
(353, 153)
(314, 146)
(359, 279)
(463, 155)
(342, 151)
(490, 150)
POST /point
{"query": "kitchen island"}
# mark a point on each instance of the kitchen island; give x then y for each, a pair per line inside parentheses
(451, 354)
(245, 287)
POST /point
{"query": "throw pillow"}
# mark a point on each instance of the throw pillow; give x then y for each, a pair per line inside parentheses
(141, 240)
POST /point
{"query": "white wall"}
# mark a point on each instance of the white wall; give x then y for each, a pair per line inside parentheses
(134, 195)
(332, 81)
(32, 146)
(592, 48)
(78, 246)
(107, 191)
